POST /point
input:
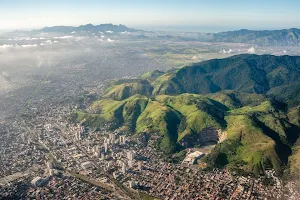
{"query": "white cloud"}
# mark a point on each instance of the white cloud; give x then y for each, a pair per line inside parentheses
(251, 50)
(109, 40)
(64, 37)
(284, 51)
(102, 36)
(28, 45)
(125, 33)
(73, 32)
(46, 42)
(5, 46)
(109, 31)
(34, 38)
(6, 76)
(80, 38)
(226, 52)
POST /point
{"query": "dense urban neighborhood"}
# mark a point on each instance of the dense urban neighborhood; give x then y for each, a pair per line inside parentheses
(47, 157)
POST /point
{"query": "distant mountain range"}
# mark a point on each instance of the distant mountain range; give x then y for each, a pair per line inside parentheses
(252, 100)
(285, 37)
(89, 27)
(264, 37)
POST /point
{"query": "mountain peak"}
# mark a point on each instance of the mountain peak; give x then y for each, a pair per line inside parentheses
(89, 27)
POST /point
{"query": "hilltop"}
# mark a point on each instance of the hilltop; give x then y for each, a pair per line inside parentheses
(233, 103)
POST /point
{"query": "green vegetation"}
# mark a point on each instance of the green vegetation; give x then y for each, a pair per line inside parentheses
(185, 107)
(247, 147)
(199, 112)
(178, 157)
(158, 118)
(266, 74)
(294, 115)
(258, 136)
(293, 170)
(153, 75)
(125, 90)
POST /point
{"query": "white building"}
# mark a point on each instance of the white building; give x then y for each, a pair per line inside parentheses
(107, 141)
(132, 184)
(49, 165)
(112, 137)
(124, 168)
(122, 139)
(102, 156)
(130, 155)
(105, 147)
(191, 158)
(86, 165)
(37, 181)
(130, 163)
(140, 166)
(78, 136)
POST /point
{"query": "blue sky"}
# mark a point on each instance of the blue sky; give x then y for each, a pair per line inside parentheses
(190, 14)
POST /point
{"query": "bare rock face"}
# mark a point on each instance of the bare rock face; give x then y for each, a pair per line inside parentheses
(222, 135)
(212, 135)
(206, 137)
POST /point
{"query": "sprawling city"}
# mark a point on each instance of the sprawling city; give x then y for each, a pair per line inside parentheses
(49, 158)
(166, 108)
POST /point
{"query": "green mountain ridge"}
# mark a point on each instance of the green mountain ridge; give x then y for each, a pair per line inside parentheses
(264, 74)
(264, 37)
(125, 90)
(236, 103)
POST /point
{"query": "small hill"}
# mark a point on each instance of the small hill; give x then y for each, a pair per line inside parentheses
(153, 75)
(118, 113)
(125, 90)
(237, 99)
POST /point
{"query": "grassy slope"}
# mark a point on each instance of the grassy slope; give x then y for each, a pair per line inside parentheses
(195, 110)
(294, 159)
(293, 170)
(257, 139)
(246, 148)
(161, 119)
(126, 90)
(153, 75)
